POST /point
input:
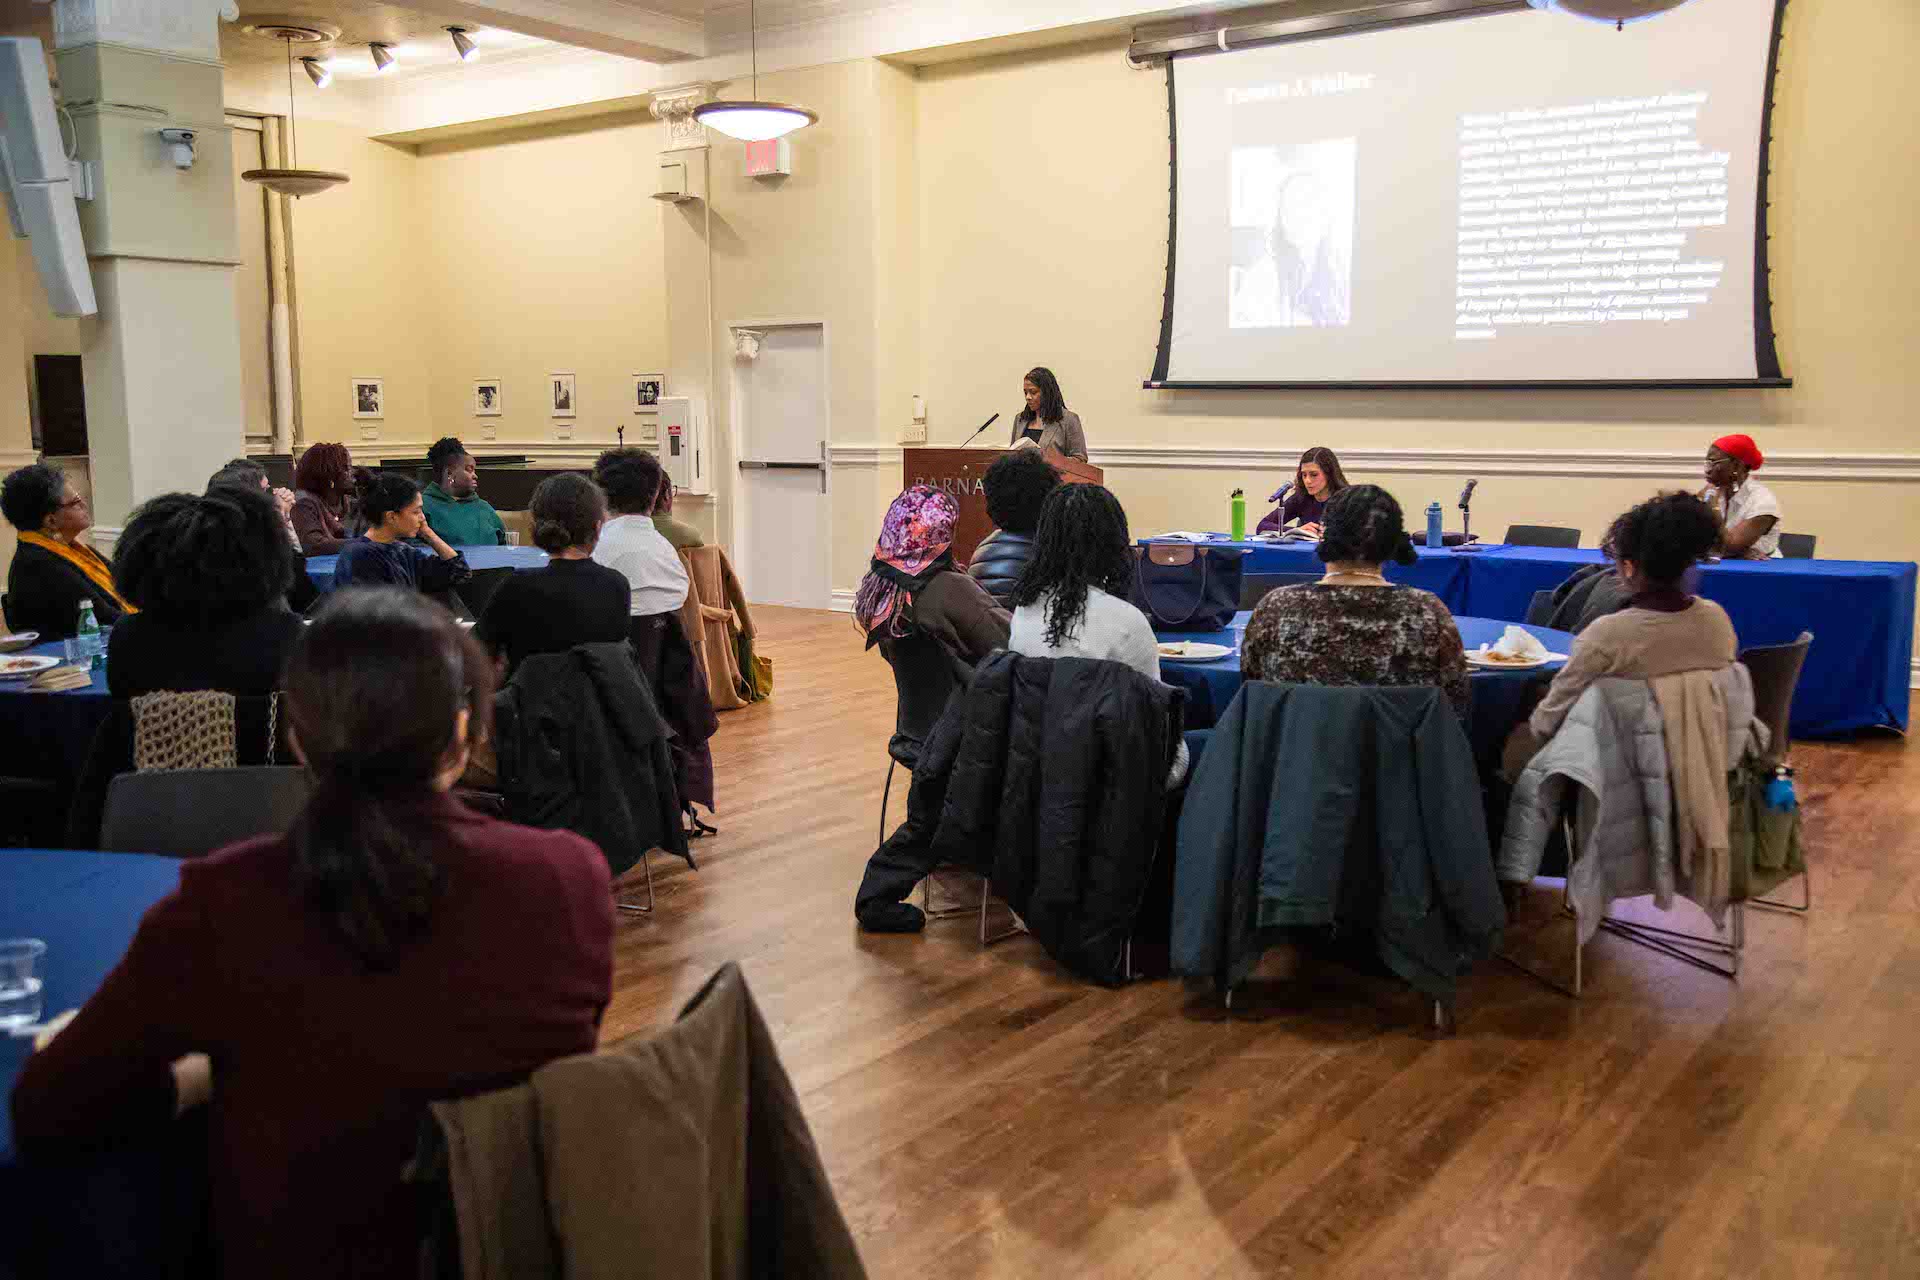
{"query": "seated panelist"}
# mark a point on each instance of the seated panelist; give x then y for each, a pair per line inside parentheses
(383, 556)
(1748, 513)
(1315, 481)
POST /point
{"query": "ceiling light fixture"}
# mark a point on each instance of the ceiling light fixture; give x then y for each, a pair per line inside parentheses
(318, 72)
(1618, 12)
(752, 120)
(295, 181)
(382, 56)
(462, 43)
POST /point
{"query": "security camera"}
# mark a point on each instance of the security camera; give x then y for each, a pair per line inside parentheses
(179, 146)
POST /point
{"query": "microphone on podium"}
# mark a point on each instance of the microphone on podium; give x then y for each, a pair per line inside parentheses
(977, 430)
(1466, 494)
(1279, 495)
(1466, 516)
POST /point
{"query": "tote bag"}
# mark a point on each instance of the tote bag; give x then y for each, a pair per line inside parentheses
(1181, 587)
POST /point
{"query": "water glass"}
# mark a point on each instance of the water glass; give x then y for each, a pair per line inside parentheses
(513, 538)
(20, 982)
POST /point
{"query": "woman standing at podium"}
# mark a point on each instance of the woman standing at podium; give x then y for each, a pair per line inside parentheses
(1046, 422)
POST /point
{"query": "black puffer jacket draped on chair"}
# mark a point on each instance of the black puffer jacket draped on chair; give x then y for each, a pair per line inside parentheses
(1049, 775)
(582, 747)
(998, 562)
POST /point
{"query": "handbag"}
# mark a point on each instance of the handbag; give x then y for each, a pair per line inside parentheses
(1181, 587)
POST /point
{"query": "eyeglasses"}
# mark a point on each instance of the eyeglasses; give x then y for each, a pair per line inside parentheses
(75, 501)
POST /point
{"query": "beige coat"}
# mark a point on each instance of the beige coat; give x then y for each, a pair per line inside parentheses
(680, 1154)
(1065, 435)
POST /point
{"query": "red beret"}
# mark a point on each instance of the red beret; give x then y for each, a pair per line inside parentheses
(1741, 449)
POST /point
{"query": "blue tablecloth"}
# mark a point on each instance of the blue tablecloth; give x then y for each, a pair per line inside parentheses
(320, 568)
(1497, 695)
(48, 735)
(85, 907)
(1861, 613)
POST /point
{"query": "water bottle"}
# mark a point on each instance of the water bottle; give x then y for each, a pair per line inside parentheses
(88, 633)
(1238, 507)
(1435, 538)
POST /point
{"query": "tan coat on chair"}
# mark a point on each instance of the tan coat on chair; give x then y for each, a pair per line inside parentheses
(718, 625)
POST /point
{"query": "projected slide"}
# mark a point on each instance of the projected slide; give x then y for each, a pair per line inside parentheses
(1516, 198)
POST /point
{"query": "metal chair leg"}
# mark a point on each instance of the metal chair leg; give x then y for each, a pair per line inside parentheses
(1806, 896)
(1691, 948)
(634, 908)
(986, 901)
(885, 792)
(1544, 978)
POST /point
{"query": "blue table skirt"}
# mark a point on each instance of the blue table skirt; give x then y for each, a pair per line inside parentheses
(1497, 695)
(85, 907)
(48, 735)
(1861, 613)
(320, 568)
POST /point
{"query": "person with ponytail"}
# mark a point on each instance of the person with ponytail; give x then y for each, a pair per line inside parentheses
(573, 600)
(321, 987)
(1353, 627)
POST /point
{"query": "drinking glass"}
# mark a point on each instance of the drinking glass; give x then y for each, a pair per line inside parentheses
(513, 538)
(20, 982)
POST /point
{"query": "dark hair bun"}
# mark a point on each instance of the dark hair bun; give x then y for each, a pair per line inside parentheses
(551, 536)
(1363, 523)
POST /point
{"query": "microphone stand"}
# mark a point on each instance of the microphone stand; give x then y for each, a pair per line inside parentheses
(1466, 523)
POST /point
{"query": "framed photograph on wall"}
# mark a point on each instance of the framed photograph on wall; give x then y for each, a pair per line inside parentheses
(647, 390)
(369, 398)
(560, 387)
(486, 397)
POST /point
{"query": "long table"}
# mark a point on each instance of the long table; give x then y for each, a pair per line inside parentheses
(479, 559)
(1861, 613)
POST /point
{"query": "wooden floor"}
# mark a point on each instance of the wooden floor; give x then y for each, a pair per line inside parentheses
(981, 1114)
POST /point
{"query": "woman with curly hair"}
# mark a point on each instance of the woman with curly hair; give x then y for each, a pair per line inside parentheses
(209, 576)
(323, 499)
(1071, 601)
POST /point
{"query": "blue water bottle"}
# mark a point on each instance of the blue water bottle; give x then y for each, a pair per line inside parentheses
(1434, 536)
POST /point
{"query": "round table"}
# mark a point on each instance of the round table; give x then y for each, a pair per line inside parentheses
(1497, 695)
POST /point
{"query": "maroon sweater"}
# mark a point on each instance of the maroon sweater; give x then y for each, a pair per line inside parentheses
(322, 1070)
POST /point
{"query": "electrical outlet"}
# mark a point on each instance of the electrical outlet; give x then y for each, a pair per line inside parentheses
(489, 432)
(369, 432)
(563, 431)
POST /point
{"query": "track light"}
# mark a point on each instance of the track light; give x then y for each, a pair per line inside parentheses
(318, 72)
(462, 43)
(382, 56)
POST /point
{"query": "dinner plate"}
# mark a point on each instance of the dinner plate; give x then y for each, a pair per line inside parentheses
(17, 641)
(1193, 651)
(28, 665)
(1478, 658)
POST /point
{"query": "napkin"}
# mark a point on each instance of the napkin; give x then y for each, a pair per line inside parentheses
(1181, 535)
(1516, 642)
(60, 679)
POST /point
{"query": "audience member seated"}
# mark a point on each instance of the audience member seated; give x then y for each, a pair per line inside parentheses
(1071, 601)
(680, 535)
(455, 509)
(382, 554)
(323, 499)
(629, 542)
(1662, 631)
(1353, 627)
(392, 948)
(209, 577)
(912, 584)
(53, 568)
(251, 475)
(1017, 484)
(1748, 513)
(572, 601)
(1315, 481)
(301, 593)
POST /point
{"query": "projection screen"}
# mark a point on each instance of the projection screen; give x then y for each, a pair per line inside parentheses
(1520, 199)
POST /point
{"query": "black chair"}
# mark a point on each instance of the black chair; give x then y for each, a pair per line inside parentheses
(187, 813)
(1775, 669)
(925, 674)
(1542, 535)
(1540, 609)
(1254, 586)
(1797, 546)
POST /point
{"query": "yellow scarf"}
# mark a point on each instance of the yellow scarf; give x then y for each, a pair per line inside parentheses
(85, 559)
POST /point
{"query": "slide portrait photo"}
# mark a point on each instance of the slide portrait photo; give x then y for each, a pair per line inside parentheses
(1292, 228)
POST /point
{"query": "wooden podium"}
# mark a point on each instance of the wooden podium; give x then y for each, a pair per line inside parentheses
(962, 472)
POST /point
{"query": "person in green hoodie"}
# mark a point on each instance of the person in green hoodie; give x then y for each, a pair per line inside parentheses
(455, 509)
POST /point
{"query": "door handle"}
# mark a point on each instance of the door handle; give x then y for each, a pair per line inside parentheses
(746, 465)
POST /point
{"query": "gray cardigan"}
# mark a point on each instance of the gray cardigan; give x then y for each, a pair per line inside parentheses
(1064, 435)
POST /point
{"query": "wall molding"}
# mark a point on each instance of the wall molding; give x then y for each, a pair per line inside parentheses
(842, 602)
(1895, 468)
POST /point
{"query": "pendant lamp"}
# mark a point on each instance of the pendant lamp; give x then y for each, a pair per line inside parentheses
(754, 121)
(1618, 12)
(294, 182)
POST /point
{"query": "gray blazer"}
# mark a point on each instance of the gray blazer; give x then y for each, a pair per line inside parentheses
(1064, 435)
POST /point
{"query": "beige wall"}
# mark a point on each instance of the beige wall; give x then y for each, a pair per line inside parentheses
(1043, 232)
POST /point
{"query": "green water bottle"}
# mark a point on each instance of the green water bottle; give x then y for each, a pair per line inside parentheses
(1239, 518)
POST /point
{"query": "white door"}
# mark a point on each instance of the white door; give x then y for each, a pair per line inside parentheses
(780, 406)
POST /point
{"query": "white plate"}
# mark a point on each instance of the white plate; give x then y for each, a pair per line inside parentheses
(1193, 651)
(1478, 658)
(24, 667)
(18, 641)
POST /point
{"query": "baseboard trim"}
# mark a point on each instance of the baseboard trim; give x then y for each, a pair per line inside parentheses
(1897, 468)
(842, 602)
